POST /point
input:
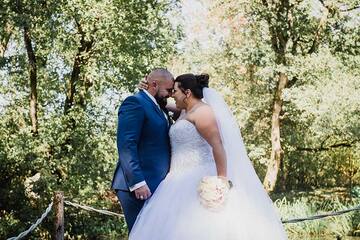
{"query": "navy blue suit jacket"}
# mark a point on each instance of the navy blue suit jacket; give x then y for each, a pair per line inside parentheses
(142, 142)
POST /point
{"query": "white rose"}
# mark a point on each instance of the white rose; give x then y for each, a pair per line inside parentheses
(213, 192)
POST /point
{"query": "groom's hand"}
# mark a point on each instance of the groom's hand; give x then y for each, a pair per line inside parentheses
(143, 192)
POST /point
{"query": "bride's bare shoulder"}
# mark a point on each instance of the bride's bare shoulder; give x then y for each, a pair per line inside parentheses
(204, 112)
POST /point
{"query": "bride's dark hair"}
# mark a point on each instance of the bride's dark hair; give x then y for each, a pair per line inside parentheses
(195, 83)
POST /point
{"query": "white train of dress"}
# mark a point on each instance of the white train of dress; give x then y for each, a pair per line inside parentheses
(174, 211)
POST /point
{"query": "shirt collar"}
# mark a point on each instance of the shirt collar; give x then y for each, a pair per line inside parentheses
(151, 97)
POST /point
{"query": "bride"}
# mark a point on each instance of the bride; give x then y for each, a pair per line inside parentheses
(206, 141)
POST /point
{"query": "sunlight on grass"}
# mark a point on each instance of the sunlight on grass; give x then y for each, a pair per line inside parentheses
(330, 227)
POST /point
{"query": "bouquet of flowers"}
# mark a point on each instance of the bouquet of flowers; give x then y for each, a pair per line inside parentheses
(213, 192)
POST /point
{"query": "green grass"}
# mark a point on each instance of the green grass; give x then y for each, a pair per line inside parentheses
(338, 227)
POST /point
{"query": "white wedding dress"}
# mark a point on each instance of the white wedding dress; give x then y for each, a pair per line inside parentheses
(174, 211)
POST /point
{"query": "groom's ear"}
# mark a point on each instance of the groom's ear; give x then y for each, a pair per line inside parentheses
(152, 83)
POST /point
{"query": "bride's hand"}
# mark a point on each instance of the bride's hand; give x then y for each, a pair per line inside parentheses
(143, 84)
(226, 180)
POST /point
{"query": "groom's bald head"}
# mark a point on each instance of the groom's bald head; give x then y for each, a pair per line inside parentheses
(161, 83)
(159, 75)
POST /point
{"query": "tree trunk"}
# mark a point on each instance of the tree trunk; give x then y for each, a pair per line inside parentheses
(281, 185)
(279, 33)
(70, 90)
(277, 153)
(81, 59)
(5, 39)
(32, 68)
(33, 80)
(280, 28)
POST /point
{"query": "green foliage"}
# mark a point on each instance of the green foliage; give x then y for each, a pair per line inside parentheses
(102, 48)
(324, 109)
(319, 121)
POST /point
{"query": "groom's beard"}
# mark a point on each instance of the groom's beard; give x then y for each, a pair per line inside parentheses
(161, 101)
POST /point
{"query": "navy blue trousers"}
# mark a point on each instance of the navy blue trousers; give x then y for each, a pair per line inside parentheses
(131, 206)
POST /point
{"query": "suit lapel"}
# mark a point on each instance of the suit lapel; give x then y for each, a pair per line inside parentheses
(157, 109)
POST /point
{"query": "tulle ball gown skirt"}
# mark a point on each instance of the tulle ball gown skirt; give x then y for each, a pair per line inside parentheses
(174, 212)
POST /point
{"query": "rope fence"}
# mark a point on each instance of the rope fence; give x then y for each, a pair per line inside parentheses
(88, 208)
(296, 220)
(30, 229)
(59, 202)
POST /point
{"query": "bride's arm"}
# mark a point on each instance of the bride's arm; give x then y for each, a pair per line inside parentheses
(205, 122)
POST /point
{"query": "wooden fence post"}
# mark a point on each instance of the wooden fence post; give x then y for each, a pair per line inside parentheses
(59, 215)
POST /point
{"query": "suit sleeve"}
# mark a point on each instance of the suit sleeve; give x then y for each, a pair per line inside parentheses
(130, 122)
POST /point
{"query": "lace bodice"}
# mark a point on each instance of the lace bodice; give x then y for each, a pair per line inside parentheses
(188, 148)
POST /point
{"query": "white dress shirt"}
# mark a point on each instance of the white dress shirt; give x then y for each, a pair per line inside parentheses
(154, 100)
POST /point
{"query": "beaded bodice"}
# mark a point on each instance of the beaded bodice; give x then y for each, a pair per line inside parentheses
(188, 148)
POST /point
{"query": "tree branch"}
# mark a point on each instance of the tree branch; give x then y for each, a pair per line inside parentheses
(333, 146)
(350, 9)
(320, 28)
(273, 35)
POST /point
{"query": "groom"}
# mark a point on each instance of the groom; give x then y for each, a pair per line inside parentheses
(143, 144)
